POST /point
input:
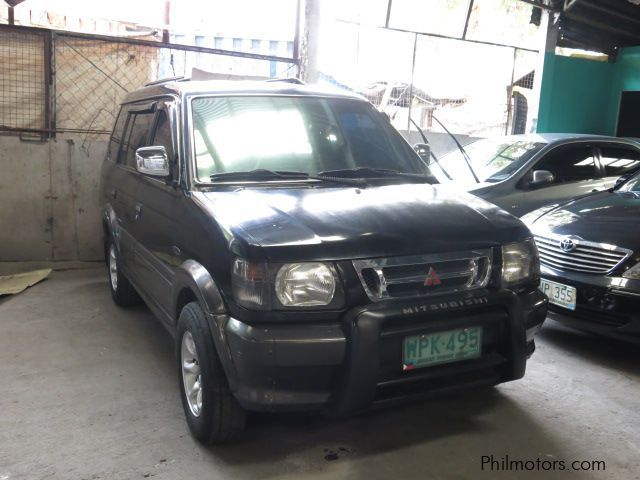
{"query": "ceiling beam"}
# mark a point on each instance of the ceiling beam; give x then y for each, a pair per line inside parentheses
(542, 5)
(592, 21)
(627, 17)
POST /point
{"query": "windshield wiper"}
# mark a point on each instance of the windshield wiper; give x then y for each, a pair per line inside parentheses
(265, 174)
(371, 172)
(465, 155)
(425, 140)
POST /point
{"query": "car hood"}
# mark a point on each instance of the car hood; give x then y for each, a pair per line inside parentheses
(604, 217)
(347, 223)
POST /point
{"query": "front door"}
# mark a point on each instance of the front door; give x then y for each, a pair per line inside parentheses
(158, 204)
(125, 181)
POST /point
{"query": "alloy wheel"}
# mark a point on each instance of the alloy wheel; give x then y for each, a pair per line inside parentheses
(191, 374)
(113, 267)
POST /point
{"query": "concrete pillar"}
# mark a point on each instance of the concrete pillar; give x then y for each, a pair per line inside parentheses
(310, 41)
(547, 44)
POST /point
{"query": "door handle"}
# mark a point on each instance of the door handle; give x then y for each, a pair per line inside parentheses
(138, 210)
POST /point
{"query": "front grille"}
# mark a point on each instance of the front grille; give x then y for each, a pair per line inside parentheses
(424, 275)
(579, 255)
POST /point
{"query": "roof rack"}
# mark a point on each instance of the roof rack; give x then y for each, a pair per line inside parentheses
(295, 81)
(182, 78)
(160, 81)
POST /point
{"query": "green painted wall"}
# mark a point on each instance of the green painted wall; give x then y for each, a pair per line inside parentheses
(575, 95)
(583, 96)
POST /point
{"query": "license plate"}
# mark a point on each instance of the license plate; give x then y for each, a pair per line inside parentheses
(559, 294)
(441, 347)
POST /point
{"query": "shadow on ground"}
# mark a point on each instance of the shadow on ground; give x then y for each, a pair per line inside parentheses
(610, 353)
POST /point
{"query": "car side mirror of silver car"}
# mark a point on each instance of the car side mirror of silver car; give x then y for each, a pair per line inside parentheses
(152, 161)
(541, 177)
(424, 152)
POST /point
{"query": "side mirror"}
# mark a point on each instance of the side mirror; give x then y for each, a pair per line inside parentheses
(152, 161)
(424, 152)
(541, 177)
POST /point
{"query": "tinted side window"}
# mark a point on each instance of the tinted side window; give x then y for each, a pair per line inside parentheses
(619, 161)
(116, 135)
(140, 124)
(569, 164)
(162, 135)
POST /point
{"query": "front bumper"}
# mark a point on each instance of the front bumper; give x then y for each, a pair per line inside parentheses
(604, 305)
(356, 363)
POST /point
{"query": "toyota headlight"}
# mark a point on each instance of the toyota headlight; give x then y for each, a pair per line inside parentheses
(633, 273)
(520, 263)
(305, 284)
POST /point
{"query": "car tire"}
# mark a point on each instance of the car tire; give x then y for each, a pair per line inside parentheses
(213, 413)
(122, 292)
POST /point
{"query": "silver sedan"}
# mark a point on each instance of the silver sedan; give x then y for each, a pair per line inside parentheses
(521, 173)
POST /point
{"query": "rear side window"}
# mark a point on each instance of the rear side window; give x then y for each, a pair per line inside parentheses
(570, 164)
(138, 129)
(116, 136)
(618, 161)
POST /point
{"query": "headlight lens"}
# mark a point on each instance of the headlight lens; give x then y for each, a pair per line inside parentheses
(249, 284)
(520, 263)
(633, 273)
(305, 284)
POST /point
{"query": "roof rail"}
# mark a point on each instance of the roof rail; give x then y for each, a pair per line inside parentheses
(295, 81)
(160, 81)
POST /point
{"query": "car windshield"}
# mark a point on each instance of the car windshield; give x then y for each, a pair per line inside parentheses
(492, 159)
(295, 134)
(631, 185)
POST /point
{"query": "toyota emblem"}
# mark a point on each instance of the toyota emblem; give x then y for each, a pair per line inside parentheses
(567, 245)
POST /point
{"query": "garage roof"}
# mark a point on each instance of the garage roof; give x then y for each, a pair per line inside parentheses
(599, 25)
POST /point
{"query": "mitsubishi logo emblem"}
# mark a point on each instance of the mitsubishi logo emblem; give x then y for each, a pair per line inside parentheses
(567, 245)
(432, 278)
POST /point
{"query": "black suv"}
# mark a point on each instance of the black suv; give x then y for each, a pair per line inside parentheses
(296, 248)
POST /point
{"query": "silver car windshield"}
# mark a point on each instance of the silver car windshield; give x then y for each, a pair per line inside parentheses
(309, 135)
(492, 159)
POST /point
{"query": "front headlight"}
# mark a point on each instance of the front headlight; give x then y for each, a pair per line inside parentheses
(305, 284)
(633, 273)
(520, 263)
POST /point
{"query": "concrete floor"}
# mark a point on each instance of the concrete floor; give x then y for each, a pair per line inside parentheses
(89, 391)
